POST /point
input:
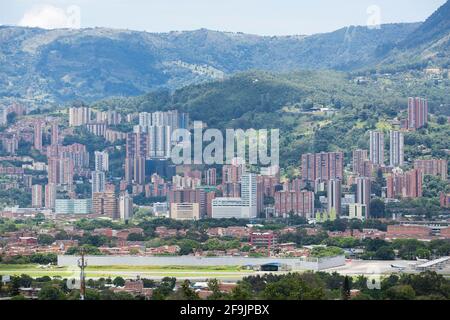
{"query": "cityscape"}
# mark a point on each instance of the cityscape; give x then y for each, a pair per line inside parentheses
(348, 199)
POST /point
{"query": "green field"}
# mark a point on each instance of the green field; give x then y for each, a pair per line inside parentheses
(125, 271)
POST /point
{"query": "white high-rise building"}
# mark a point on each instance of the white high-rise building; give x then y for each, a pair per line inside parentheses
(125, 206)
(377, 148)
(101, 161)
(396, 154)
(159, 141)
(98, 181)
(363, 193)
(334, 196)
(244, 207)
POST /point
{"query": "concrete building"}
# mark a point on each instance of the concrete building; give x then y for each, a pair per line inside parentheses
(244, 207)
(105, 204)
(79, 116)
(36, 196)
(38, 135)
(297, 202)
(359, 158)
(73, 206)
(101, 161)
(396, 148)
(189, 196)
(376, 154)
(322, 166)
(363, 193)
(263, 239)
(434, 167)
(125, 206)
(334, 196)
(404, 185)
(417, 113)
(358, 211)
(185, 211)
(50, 195)
(98, 181)
(55, 134)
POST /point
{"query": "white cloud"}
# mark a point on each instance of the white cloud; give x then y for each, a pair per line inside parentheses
(50, 17)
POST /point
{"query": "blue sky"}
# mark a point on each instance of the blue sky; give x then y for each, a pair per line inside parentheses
(264, 17)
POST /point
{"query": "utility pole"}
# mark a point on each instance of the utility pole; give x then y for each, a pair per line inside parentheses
(82, 264)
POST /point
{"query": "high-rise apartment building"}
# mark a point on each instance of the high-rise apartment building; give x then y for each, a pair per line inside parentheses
(79, 116)
(334, 196)
(323, 166)
(105, 204)
(55, 134)
(376, 154)
(38, 135)
(98, 181)
(405, 185)
(363, 193)
(417, 113)
(244, 207)
(295, 202)
(50, 195)
(125, 206)
(359, 157)
(36, 196)
(396, 148)
(60, 171)
(101, 161)
(160, 143)
(434, 167)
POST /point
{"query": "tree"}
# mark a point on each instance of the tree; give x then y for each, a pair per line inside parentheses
(135, 237)
(385, 253)
(45, 239)
(187, 292)
(25, 281)
(214, 287)
(346, 289)
(292, 287)
(401, 292)
(377, 208)
(119, 282)
(51, 292)
(241, 292)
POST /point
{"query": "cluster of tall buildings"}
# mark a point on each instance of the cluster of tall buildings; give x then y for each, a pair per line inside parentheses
(193, 193)
(396, 148)
(243, 207)
(322, 166)
(405, 184)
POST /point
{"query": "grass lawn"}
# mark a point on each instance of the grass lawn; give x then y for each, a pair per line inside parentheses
(131, 271)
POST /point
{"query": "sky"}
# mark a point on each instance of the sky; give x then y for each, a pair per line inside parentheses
(263, 17)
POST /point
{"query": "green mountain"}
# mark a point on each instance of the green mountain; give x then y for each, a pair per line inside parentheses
(428, 44)
(56, 66)
(48, 67)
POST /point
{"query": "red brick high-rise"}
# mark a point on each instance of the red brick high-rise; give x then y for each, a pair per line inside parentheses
(297, 202)
(323, 166)
(417, 113)
(405, 185)
(433, 167)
